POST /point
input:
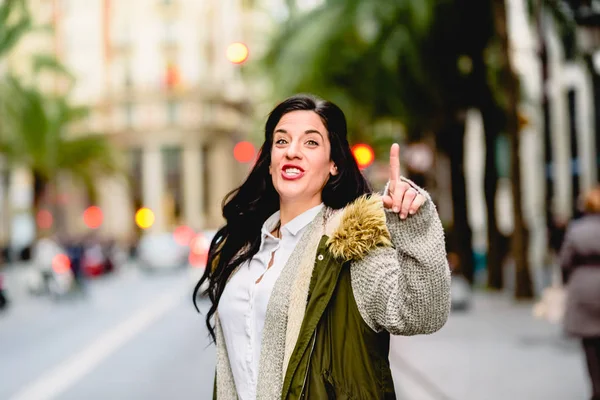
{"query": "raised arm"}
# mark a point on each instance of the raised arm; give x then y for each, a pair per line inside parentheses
(406, 289)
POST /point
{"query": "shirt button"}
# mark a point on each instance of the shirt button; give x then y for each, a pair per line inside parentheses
(320, 257)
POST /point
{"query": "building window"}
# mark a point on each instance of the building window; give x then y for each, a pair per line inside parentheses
(173, 194)
(128, 110)
(171, 112)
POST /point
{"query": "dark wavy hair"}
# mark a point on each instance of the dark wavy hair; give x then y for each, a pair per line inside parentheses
(246, 208)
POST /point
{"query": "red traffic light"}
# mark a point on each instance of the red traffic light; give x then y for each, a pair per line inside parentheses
(363, 154)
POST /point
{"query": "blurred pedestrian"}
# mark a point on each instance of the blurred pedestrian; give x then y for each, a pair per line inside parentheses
(580, 261)
(313, 271)
(75, 251)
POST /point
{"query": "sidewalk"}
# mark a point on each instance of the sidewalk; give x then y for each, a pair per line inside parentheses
(494, 351)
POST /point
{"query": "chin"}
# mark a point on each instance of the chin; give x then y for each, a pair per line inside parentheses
(286, 193)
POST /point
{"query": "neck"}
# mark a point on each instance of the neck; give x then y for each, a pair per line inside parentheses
(291, 209)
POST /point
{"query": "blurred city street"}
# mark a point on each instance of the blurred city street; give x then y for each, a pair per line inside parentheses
(133, 336)
(136, 335)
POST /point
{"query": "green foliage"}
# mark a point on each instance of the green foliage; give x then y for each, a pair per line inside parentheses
(39, 138)
(405, 60)
(15, 22)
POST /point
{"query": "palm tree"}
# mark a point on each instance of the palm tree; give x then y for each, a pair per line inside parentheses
(15, 22)
(41, 143)
(397, 60)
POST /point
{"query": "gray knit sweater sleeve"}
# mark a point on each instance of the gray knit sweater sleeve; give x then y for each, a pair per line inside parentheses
(405, 289)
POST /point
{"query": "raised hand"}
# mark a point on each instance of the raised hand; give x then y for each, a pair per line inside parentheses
(401, 197)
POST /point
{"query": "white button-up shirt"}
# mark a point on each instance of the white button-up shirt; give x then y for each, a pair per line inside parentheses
(243, 305)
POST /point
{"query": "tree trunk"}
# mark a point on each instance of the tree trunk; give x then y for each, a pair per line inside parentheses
(492, 125)
(40, 184)
(496, 241)
(461, 237)
(5, 211)
(510, 83)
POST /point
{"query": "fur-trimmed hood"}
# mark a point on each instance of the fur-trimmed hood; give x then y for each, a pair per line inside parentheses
(358, 228)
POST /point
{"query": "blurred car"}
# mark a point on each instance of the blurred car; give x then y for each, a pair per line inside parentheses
(96, 260)
(161, 252)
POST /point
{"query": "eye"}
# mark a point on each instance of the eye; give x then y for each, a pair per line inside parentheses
(312, 142)
(280, 141)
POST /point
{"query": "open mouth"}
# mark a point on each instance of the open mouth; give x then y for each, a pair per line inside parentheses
(291, 172)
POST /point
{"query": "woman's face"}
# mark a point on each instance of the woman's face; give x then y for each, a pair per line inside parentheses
(300, 157)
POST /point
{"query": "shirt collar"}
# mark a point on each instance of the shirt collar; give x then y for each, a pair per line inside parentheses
(295, 225)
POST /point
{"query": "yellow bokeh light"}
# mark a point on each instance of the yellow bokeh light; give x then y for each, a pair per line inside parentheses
(363, 154)
(144, 218)
(237, 53)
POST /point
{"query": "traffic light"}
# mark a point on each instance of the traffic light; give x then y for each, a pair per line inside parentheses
(363, 154)
(237, 53)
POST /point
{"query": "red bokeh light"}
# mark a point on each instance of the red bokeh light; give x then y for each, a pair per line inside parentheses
(61, 264)
(93, 217)
(183, 235)
(199, 247)
(244, 152)
(44, 219)
(172, 76)
(198, 260)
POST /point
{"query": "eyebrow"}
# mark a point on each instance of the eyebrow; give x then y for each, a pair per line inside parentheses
(306, 132)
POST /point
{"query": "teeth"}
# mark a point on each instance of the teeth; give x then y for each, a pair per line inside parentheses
(292, 171)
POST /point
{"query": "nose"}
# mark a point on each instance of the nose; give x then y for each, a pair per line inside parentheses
(293, 150)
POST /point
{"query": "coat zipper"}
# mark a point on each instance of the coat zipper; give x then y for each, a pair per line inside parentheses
(302, 394)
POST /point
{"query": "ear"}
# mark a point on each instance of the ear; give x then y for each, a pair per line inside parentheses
(333, 170)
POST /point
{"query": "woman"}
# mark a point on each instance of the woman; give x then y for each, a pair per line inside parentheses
(312, 271)
(580, 262)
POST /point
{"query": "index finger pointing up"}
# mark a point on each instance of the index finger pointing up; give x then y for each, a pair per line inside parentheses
(395, 163)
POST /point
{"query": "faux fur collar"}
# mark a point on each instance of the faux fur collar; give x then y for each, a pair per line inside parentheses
(358, 228)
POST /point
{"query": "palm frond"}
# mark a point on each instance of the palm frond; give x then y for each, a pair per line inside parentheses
(15, 22)
(48, 62)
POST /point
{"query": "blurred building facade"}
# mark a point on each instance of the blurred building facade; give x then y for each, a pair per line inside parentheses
(572, 166)
(159, 84)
